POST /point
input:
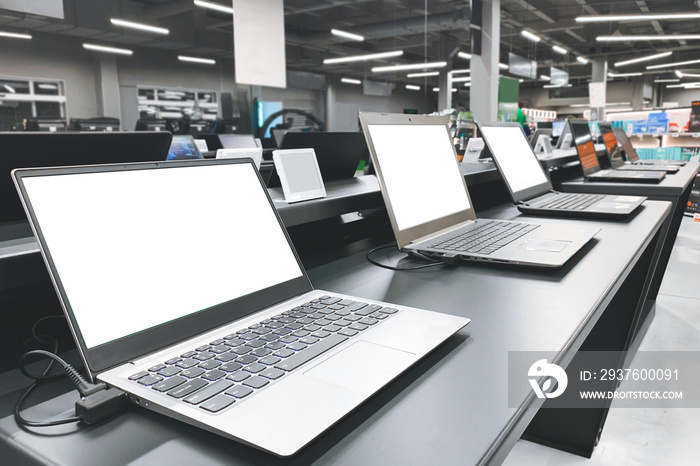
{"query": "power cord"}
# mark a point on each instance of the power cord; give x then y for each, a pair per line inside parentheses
(97, 402)
(372, 261)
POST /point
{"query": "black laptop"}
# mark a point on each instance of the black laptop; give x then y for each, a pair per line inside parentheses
(614, 151)
(589, 160)
(529, 186)
(338, 153)
(30, 150)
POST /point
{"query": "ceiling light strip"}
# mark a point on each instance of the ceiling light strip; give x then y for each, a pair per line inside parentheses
(214, 6)
(347, 35)
(139, 26)
(412, 66)
(102, 48)
(14, 35)
(350, 81)
(641, 59)
(669, 65)
(640, 17)
(658, 37)
(412, 87)
(421, 75)
(204, 61)
(370, 56)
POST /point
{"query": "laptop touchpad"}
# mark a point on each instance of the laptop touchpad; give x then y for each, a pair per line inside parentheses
(541, 244)
(363, 366)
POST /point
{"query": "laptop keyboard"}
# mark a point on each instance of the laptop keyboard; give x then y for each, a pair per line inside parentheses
(572, 201)
(485, 237)
(235, 367)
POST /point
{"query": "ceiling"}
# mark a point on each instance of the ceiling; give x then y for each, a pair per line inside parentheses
(426, 30)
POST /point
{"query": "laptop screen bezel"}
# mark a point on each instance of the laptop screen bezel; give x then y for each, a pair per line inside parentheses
(128, 348)
(405, 237)
(524, 194)
(572, 122)
(614, 156)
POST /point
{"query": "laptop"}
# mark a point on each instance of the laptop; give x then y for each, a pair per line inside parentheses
(429, 205)
(338, 153)
(633, 157)
(615, 153)
(28, 150)
(529, 186)
(589, 160)
(183, 147)
(230, 338)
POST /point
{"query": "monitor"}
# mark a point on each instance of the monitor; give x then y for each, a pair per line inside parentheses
(50, 125)
(183, 147)
(557, 128)
(29, 150)
(94, 124)
(151, 125)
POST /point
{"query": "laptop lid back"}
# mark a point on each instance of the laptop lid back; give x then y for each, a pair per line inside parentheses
(30, 150)
(518, 164)
(611, 146)
(419, 174)
(338, 153)
(584, 146)
(627, 146)
(237, 141)
(140, 262)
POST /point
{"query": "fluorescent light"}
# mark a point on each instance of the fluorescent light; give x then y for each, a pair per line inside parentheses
(14, 35)
(214, 6)
(623, 75)
(48, 87)
(674, 85)
(412, 66)
(460, 71)
(544, 77)
(641, 59)
(467, 84)
(462, 79)
(436, 89)
(421, 75)
(640, 17)
(678, 73)
(669, 65)
(350, 81)
(617, 104)
(412, 87)
(347, 35)
(465, 55)
(688, 75)
(102, 48)
(502, 66)
(582, 60)
(205, 61)
(560, 50)
(521, 80)
(530, 36)
(659, 37)
(370, 56)
(668, 80)
(10, 88)
(454, 90)
(139, 26)
(550, 86)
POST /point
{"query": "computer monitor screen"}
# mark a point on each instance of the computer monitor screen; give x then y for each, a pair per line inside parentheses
(514, 157)
(584, 145)
(183, 148)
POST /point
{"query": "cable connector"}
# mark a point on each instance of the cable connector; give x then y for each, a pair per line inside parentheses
(101, 404)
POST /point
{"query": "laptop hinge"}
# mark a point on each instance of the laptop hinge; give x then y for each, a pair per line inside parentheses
(523, 203)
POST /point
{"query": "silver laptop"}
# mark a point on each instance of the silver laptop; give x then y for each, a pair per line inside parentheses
(633, 157)
(589, 160)
(429, 205)
(202, 310)
(529, 186)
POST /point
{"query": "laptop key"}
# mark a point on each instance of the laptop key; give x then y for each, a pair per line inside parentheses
(311, 352)
(256, 382)
(214, 375)
(213, 364)
(174, 360)
(297, 346)
(239, 391)
(256, 343)
(254, 368)
(203, 356)
(288, 339)
(138, 375)
(169, 384)
(247, 359)
(261, 352)
(238, 376)
(208, 392)
(230, 367)
(235, 342)
(192, 373)
(169, 371)
(272, 373)
(217, 403)
(226, 357)
(270, 360)
(348, 332)
(187, 363)
(187, 388)
(284, 353)
(157, 367)
(358, 326)
(274, 346)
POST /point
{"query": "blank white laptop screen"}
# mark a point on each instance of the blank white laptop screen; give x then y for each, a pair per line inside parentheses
(420, 172)
(515, 158)
(144, 256)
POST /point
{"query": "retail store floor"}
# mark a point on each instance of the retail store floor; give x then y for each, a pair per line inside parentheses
(649, 436)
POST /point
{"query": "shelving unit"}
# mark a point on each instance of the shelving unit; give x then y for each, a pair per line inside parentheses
(168, 103)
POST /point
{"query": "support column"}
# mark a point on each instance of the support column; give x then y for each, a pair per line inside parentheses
(107, 86)
(330, 108)
(445, 92)
(638, 93)
(599, 74)
(483, 98)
